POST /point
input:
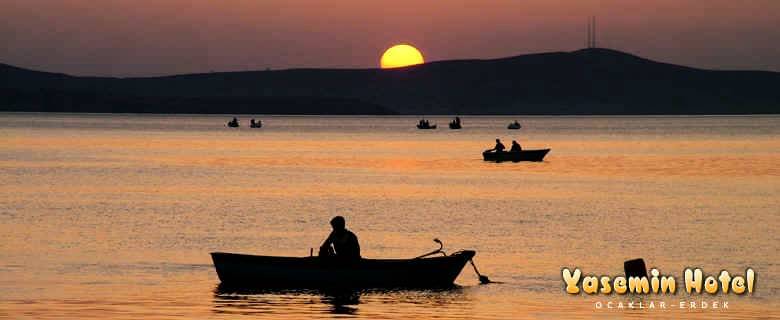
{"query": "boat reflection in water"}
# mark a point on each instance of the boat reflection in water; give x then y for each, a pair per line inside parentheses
(373, 302)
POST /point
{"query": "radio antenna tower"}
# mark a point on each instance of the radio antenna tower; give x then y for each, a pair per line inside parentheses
(591, 42)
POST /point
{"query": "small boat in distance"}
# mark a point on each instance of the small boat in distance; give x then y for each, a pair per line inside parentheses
(516, 156)
(514, 125)
(256, 124)
(455, 124)
(233, 123)
(250, 271)
(424, 124)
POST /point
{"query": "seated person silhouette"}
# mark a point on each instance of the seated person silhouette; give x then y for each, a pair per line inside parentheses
(515, 147)
(341, 243)
(498, 148)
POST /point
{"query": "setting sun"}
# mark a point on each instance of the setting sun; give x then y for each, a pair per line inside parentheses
(401, 55)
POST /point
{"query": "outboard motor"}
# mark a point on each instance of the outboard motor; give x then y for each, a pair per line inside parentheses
(635, 268)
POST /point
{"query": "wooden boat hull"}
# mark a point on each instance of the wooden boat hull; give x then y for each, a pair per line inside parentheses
(240, 270)
(455, 126)
(426, 128)
(513, 127)
(524, 155)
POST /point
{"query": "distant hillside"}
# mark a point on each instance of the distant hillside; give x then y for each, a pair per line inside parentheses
(589, 81)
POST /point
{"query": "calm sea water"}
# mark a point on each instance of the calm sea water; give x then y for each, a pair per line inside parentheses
(113, 216)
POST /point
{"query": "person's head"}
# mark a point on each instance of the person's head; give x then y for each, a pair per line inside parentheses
(498, 140)
(514, 142)
(338, 223)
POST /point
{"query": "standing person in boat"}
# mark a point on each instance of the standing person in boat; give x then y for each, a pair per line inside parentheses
(515, 147)
(342, 241)
(498, 148)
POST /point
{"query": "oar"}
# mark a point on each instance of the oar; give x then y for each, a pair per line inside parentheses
(440, 250)
(482, 278)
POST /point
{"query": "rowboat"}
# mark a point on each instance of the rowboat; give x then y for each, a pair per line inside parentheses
(516, 156)
(455, 123)
(422, 127)
(242, 270)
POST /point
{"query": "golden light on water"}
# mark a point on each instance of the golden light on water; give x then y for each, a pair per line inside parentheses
(401, 55)
(119, 212)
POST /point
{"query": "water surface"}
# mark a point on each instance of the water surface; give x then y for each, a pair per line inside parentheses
(114, 215)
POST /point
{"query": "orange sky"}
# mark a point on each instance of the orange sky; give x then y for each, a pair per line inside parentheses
(146, 37)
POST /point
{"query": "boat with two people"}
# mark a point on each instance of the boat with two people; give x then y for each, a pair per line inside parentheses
(515, 154)
(424, 124)
(455, 124)
(514, 125)
(255, 124)
(339, 265)
(233, 123)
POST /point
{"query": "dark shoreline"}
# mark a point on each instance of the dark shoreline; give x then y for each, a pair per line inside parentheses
(584, 82)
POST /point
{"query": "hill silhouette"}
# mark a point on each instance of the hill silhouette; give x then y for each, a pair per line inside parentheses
(588, 81)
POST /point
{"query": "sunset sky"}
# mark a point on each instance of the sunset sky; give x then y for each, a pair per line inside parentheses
(157, 37)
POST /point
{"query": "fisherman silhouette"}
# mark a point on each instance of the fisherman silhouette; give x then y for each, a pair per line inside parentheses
(498, 148)
(341, 243)
(515, 147)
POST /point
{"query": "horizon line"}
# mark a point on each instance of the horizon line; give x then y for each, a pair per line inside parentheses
(427, 63)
